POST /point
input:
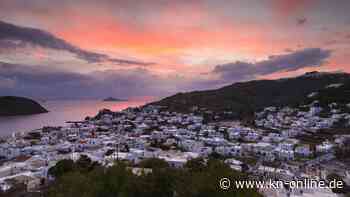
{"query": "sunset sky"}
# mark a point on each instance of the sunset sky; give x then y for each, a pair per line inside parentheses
(130, 48)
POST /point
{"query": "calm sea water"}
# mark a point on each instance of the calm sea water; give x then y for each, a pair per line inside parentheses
(60, 112)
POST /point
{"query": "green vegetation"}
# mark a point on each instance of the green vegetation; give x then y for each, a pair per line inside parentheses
(82, 165)
(339, 95)
(12, 106)
(196, 179)
(245, 98)
(154, 163)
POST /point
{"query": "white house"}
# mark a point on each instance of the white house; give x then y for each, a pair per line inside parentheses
(284, 154)
(215, 141)
(325, 147)
(234, 164)
(286, 146)
(234, 135)
(314, 111)
(176, 162)
(191, 145)
(205, 151)
(303, 150)
(157, 135)
(9, 152)
(266, 153)
(229, 150)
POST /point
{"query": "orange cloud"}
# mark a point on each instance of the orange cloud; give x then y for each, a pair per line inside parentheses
(168, 35)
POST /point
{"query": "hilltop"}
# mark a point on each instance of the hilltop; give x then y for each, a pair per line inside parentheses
(248, 97)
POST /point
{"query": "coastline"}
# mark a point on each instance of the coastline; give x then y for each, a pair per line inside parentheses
(61, 112)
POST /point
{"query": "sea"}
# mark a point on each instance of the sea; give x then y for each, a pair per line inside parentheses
(61, 111)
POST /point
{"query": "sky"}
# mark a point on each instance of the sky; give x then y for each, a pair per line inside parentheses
(98, 48)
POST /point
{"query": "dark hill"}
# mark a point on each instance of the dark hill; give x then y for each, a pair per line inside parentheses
(338, 93)
(12, 106)
(247, 97)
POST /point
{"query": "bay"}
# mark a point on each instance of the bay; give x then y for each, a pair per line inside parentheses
(61, 111)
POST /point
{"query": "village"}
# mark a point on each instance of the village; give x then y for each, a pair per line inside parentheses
(271, 148)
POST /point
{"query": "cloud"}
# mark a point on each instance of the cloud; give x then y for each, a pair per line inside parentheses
(309, 57)
(16, 36)
(45, 82)
(290, 7)
(331, 42)
(301, 21)
(6, 83)
(51, 83)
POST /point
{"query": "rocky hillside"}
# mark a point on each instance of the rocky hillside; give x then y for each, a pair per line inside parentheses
(248, 97)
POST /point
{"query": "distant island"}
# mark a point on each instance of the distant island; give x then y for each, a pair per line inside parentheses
(112, 99)
(14, 106)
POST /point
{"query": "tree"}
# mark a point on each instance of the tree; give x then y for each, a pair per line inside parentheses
(163, 181)
(195, 165)
(109, 152)
(153, 163)
(84, 163)
(61, 167)
(71, 185)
